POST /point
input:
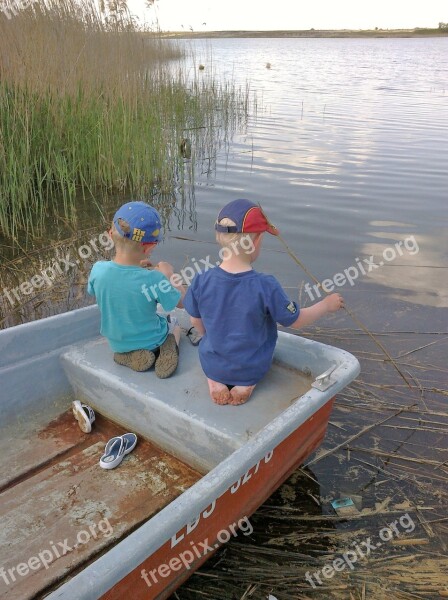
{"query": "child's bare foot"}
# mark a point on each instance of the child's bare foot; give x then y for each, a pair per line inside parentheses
(240, 394)
(218, 391)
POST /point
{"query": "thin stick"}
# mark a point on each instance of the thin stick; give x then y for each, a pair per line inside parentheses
(419, 348)
(352, 315)
(356, 436)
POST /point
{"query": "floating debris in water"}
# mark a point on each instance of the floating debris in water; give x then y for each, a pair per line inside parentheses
(201, 67)
(185, 147)
(268, 65)
(345, 507)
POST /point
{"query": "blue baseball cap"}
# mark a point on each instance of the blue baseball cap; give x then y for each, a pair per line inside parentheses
(247, 216)
(139, 222)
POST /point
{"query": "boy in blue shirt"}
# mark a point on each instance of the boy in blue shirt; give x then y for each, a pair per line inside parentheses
(128, 294)
(237, 309)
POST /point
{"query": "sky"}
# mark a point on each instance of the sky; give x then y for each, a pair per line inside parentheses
(203, 15)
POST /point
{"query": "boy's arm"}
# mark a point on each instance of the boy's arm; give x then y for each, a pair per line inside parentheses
(198, 325)
(180, 288)
(175, 279)
(192, 306)
(330, 304)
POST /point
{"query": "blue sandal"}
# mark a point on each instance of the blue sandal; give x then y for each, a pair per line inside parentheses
(116, 449)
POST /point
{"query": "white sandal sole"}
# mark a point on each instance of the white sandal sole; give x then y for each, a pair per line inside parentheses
(84, 422)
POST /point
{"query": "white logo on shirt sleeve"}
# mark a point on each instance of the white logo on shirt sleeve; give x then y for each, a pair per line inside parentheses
(292, 307)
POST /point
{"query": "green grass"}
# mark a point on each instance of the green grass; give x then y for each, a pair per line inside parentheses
(89, 109)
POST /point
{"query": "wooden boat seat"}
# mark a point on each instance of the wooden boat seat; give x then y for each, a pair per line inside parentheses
(177, 413)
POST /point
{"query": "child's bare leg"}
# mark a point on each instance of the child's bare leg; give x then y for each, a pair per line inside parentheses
(218, 392)
(176, 332)
(240, 394)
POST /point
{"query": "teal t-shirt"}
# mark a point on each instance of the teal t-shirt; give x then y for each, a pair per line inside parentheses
(127, 297)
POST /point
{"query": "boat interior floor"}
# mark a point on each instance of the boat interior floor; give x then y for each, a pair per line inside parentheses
(59, 509)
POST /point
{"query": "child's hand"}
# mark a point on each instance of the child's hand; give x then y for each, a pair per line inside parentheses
(165, 268)
(333, 302)
(146, 263)
(309, 314)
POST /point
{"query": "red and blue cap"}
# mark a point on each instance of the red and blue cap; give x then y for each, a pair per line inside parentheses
(139, 222)
(247, 216)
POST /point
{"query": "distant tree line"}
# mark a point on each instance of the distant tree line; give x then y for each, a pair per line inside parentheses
(443, 25)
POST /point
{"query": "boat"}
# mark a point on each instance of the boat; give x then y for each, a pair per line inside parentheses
(71, 530)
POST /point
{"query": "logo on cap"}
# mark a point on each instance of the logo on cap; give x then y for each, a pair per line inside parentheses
(138, 235)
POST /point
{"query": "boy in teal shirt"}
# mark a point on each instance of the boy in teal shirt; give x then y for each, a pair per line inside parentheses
(128, 294)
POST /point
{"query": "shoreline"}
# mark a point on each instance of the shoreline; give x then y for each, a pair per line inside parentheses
(309, 33)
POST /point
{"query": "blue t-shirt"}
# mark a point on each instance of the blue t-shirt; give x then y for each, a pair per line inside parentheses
(240, 312)
(127, 297)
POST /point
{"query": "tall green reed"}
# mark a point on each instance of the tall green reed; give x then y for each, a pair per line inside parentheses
(90, 106)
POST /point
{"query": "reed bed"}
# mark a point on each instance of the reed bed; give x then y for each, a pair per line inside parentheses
(90, 106)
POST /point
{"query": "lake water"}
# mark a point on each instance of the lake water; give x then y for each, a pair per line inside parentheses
(348, 154)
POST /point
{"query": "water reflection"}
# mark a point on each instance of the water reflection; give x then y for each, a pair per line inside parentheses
(414, 276)
(350, 143)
